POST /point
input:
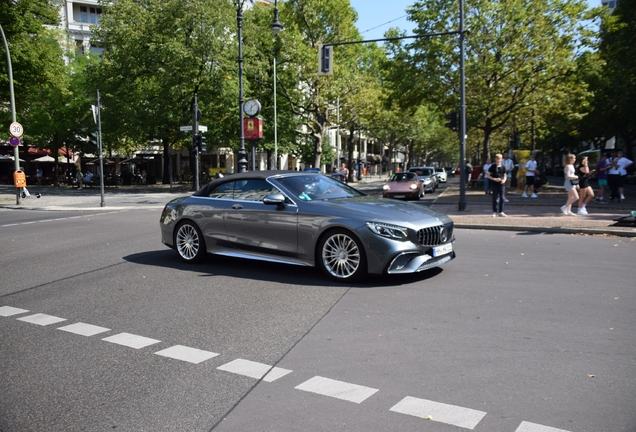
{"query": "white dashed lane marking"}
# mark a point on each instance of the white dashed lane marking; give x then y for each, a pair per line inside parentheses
(84, 329)
(337, 389)
(131, 340)
(7, 311)
(41, 319)
(254, 370)
(439, 412)
(532, 427)
(184, 353)
(422, 408)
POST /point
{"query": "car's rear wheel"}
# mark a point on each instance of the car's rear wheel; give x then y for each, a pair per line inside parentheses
(189, 242)
(341, 256)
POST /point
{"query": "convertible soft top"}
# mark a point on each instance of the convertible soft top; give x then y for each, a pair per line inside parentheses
(261, 175)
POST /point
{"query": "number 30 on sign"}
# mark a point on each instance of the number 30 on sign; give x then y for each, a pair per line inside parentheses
(16, 129)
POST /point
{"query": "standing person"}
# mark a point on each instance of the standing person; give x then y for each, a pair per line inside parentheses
(486, 179)
(509, 165)
(601, 168)
(38, 176)
(497, 174)
(345, 172)
(469, 170)
(623, 163)
(80, 179)
(585, 190)
(571, 184)
(531, 170)
(613, 178)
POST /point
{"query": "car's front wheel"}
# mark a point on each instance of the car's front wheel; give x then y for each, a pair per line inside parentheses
(341, 256)
(189, 242)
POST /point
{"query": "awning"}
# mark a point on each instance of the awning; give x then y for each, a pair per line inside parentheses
(44, 159)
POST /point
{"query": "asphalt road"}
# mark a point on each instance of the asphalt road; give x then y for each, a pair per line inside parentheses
(521, 333)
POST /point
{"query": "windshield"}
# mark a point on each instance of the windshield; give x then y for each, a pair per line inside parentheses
(422, 172)
(439, 169)
(317, 187)
(403, 177)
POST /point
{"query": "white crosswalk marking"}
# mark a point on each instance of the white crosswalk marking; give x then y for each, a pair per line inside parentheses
(184, 353)
(131, 340)
(254, 370)
(337, 389)
(532, 427)
(440, 412)
(84, 329)
(7, 311)
(41, 319)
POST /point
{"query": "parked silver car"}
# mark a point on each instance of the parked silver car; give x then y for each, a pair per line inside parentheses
(307, 219)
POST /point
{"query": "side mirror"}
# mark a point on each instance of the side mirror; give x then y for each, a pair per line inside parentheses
(277, 199)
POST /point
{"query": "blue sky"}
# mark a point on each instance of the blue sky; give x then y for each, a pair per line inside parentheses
(373, 13)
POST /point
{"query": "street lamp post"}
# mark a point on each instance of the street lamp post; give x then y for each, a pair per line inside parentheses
(242, 154)
(16, 152)
(276, 27)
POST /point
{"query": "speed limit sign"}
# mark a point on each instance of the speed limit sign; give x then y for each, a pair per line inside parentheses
(16, 129)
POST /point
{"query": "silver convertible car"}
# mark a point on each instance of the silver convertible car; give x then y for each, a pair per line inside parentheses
(307, 219)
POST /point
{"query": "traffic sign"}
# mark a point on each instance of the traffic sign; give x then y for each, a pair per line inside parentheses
(14, 141)
(16, 129)
(189, 128)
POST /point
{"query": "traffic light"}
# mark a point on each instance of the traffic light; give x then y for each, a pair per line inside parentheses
(325, 60)
(452, 121)
(92, 139)
(199, 146)
(195, 144)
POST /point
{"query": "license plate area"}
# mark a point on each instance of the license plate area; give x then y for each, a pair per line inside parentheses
(442, 250)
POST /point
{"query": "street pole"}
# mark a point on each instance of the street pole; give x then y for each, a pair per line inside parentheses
(101, 158)
(462, 110)
(242, 154)
(195, 131)
(16, 151)
(276, 27)
(275, 121)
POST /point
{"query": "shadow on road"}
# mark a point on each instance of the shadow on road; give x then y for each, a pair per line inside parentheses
(267, 271)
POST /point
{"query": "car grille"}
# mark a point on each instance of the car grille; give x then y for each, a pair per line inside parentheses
(434, 236)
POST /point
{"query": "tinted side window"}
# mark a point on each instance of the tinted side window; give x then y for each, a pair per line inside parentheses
(224, 190)
(253, 190)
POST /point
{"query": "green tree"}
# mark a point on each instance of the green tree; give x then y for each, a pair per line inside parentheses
(36, 56)
(615, 103)
(157, 55)
(519, 53)
(308, 24)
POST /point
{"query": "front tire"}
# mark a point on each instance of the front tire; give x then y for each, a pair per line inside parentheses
(341, 256)
(189, 242)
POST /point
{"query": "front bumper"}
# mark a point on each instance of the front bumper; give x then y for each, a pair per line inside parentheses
(413, 262)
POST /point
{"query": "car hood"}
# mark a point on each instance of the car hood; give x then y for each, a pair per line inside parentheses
(378, 209)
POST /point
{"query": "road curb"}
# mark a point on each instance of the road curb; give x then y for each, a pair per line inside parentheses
(550, 230)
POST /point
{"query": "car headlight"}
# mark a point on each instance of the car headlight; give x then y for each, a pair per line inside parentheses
(427, 180)
(386, 187)
(394, 232)
(413, 186)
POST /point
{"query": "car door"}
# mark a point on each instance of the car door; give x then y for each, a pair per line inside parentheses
(258, 228)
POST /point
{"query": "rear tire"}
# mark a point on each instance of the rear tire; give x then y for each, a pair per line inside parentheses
(341, 256)
(189, 242)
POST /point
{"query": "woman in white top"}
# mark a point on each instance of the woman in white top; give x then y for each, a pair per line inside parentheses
(569, 174)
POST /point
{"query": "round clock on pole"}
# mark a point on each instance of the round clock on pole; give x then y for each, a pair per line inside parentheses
(252, 107)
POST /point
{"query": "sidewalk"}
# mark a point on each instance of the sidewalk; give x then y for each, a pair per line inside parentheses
(540, 214)
(68, 198)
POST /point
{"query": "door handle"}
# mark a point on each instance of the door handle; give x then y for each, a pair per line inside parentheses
(237, 207)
